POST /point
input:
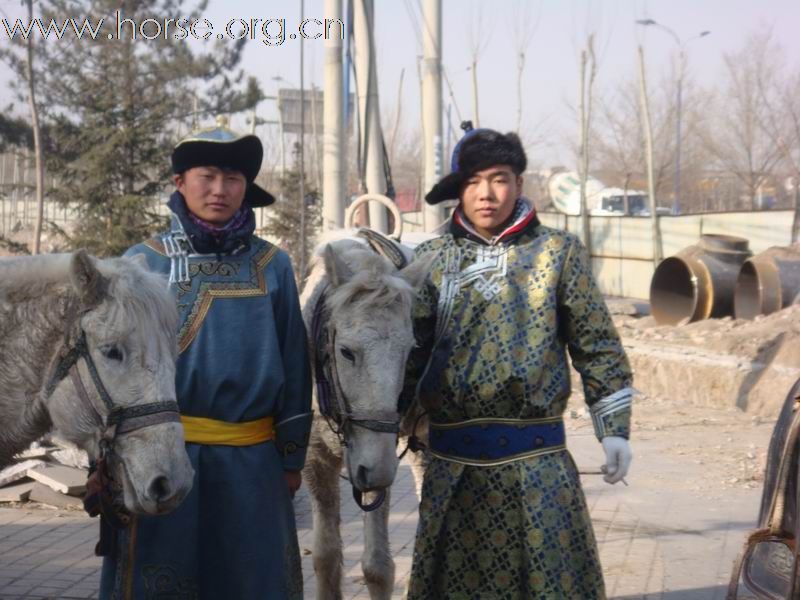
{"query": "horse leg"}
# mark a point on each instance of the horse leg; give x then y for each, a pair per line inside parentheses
(376, 561)
(418, 463)
(322, 475)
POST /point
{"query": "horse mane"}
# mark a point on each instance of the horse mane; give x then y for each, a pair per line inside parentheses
(375, 282)
(141, 292)
(30, 276)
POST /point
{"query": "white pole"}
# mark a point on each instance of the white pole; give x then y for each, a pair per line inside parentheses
(283, 145)
(363, 28)
(333, 146)
(648, 149)
(433, 216)
(302, 199)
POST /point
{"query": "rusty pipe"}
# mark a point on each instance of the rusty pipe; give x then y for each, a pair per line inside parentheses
(768, 282)
(699, 281)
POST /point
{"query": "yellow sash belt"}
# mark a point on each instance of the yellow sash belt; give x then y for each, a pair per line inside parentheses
(200, 430)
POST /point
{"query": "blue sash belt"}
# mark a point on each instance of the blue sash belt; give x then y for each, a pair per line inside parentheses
(490, 442)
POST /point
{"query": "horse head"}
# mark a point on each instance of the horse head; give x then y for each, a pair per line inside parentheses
(369, 336)
(112, 384)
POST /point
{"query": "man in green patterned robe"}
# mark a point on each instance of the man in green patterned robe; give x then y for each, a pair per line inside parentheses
(503, 515)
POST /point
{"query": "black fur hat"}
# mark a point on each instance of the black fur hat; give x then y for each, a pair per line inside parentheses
(221, 147)
(479, 149)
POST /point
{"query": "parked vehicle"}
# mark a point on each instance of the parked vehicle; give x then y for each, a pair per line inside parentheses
(768, 567)
(564, 189)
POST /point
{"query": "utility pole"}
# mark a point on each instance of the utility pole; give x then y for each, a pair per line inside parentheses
(333, 146)
(648, 145)
(302, 173)
(432, 216)
(585, 116)
(676, 203)
(369, 111)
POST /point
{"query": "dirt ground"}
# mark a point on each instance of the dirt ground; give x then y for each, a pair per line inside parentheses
(729, 444)
(716, 362)
(715, 387)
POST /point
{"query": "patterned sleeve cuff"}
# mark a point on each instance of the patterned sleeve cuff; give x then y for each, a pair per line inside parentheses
(611, 416)
(291, 439)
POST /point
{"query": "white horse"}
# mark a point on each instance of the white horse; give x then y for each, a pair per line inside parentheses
(88, 347)
(359, 303)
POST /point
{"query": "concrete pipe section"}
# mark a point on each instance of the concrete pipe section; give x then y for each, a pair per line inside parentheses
(768, 282)
(699, 281)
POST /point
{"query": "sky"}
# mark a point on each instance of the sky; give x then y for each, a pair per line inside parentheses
(557, 28)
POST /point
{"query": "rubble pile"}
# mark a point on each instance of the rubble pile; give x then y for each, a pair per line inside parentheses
(50, 472)
(717, 362)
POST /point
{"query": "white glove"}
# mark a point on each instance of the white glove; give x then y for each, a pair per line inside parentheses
(618, 458)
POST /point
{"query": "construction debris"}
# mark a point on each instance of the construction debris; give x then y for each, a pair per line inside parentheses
(19, 492)
(748, 364)
(18, 471)
(66, 480)
(43, 494)
(50, 472)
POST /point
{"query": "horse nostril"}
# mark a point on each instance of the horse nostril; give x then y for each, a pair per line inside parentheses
(159, 489)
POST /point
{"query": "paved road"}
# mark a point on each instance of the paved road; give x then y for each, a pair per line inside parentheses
(672, 534)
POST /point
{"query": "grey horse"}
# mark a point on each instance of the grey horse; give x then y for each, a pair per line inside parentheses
(88, 347)
(367, 322)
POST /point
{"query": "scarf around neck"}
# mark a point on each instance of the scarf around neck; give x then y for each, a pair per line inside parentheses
(207, 238)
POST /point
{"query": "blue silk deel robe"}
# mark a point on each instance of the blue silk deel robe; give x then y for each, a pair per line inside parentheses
(242, 356)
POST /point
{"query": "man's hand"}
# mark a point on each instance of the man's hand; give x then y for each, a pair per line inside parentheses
(618, 458)
(293, 481)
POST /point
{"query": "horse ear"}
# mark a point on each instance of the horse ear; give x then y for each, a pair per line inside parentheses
(337, 270)
(141, 260)
(89, 284)
(416, 272)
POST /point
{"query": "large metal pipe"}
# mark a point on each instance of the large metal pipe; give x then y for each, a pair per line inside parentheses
(768, 282)
(699, 281)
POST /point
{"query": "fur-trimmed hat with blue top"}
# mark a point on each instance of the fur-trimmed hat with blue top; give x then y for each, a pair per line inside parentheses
(478, 149)
(220, 147)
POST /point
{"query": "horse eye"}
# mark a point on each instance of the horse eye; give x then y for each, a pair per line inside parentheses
(112, 353)
(348, 354)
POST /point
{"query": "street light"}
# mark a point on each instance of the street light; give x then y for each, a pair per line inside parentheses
(676, 207)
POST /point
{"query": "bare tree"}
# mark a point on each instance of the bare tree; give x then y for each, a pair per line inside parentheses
(616, 138)
(782, 124)
(523, 26)
(740, 142)
(19, 56)
(479, 35)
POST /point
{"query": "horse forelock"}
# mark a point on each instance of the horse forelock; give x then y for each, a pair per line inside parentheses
(138, 300)
(375, 285)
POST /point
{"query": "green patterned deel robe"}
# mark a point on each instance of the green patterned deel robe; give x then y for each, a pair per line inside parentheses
(498, 350)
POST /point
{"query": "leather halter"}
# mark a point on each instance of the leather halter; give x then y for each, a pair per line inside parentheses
(333, 403)
(119, 419)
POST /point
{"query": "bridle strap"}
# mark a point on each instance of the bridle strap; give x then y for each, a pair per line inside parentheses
(119, 419)
(146, 415)
(333, 403)
(385, 246)
(358, 496)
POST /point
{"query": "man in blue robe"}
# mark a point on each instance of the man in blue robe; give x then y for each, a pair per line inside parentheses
(243, 386)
